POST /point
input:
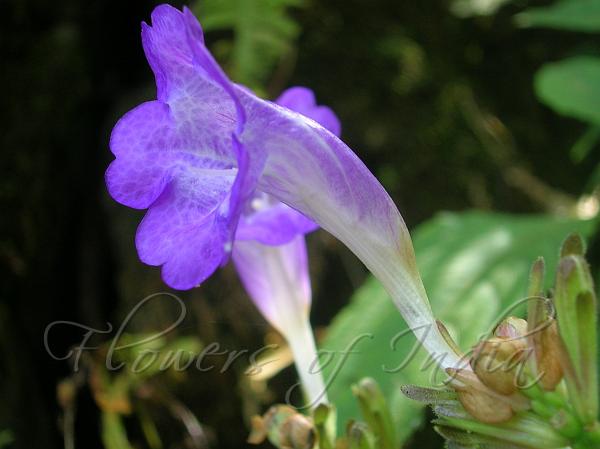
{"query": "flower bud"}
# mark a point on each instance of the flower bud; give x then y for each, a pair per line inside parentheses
(360, 436)
(325, 420)
(542, 331)
(496, 362)
(511, 327)
(576, 309)
(479, 401)
(285, 428)
(376, 412)
(548, 356)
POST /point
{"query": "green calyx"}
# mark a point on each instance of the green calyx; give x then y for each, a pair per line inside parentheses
(547, 398)
(576, 311)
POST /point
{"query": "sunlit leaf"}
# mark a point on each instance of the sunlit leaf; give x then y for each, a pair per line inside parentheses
(574, 15)
(571, 87)
(474, 266)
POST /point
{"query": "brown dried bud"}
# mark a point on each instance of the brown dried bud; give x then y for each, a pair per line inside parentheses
(258, 431)
(298, 432)
(485, 408)
(548, 356)
(497, 362)
(479, 401)
(285, 428)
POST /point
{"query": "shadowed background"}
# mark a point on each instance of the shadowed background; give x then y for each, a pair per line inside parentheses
(439, 104)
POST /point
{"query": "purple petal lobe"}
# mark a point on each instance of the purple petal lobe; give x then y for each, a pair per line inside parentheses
(273, 224)
(133, 184)
(179, 156)
(141, 172)
(184, 230)
(182, 65)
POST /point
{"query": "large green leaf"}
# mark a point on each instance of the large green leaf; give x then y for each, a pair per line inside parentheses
(474, 265)
(574, 15)
(571, 87)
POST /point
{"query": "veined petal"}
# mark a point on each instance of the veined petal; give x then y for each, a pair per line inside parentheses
(185, 229)
(172, 153)
(183, 66)
(276, 278)
(154, 140)
(136, 184)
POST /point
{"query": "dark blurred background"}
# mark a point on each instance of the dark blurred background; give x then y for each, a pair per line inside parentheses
(439, 105)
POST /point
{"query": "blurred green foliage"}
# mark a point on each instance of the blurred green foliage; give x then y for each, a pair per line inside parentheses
(572, 15)
(263, 34)
(436, 97)
(149, 366)
(6, 438)
(475, 267)
(571, 87)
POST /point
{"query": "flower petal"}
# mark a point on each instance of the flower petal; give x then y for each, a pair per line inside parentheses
(183, 66)
(136, 184)
(302, 100)
(185, 229)
(155, 138)
(314, 172)
(165, 148)
(277, 280)
(276, 225)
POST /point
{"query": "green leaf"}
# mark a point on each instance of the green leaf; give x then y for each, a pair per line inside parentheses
(571, 87)
(474, 266)
(573, 15)
(263, 34)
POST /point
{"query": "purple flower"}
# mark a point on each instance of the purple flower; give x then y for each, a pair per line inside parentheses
(269, 254)
(199, 155)
(269, 251)
(276, 278)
